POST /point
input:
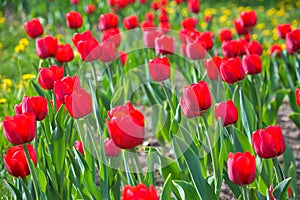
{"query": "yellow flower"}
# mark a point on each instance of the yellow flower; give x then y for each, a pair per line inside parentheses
(241, 9)
(184, 12)
(283, 46)
(27, 76)
(203, 25)
(7, 82)
(1, 45)
(223, 18)
(227, 12)
(274, 22)
(271, 11)
(261, 9)
(298, 4)
(173, 3)
(170, 10)
(210, 11)
(266, 32)
(19, 48)
(58, 36)
(254, 36)
(3, 100)
(228, 23)
(260, 26)
(280, 13)
(2, 20)
(21, 84)
(24, 41)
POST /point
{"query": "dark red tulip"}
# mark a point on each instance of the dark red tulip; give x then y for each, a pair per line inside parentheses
(155, 5)
(36, 105)
(77, 37)
(275, 49)
(108, 51)
(15, 160)
(149, 16)
(163, 18)
(74, 20)
(293, 41)
(46, 47)
(147, 26)
(240, 29)
(269, 142)
(232, 70)
(248, 18)
(196, 98)
(164, 45)
(225, 35)
(19, 129)
(143, 1)
(149, 38)
(112, 35)
(194, 6)
(241, 168)
(189, 23)
(79, 146)
(108, 21)
(231, 48)
(298, 96)
(159, 69)
(121, 3)
(65, 87)
(34, 28)
(89, 50)
(126, 126)
(270, 189)
(130, 22)
(90, 8)
(164, 27)
(283, 29)
(179, 1)
(254, 47)
(139, 192)
(64, 53)
(123, 57)
(252, 64)
(111, 150)
(227, 112)
(196, 50)
(47, 76)
(212, 67)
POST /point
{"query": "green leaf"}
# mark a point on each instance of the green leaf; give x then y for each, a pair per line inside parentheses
(241, 143)
(295, 117)
(42, 179)
(15, 192)
(186, 190)
(166, 193)
(118, 98)
(280, 190)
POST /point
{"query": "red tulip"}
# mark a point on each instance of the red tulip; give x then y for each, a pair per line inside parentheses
(89, 50)
(139, 192)
(123, 57)
(252, 64)
(18, 109)
(243, 45)
(90, 8)
(194, 6)
(126, 126)
(254, 47)
(19, 129)
(270, 189)
(207, 38)
(193, 35)
(130, 22)
(143, 1)
(121, 3)
(64, 53)
(164, 45)
(47, 76)
(207, 18)
(298, 96)
(15, 160)
(36, 105)
(58, 105)
(108, 21)
(283, 29)
(196, 98)
(241, 168)
(248, 18)
(212, 67)
(74, 2)
(196, 50)
(225, 35)
(34, 28)
(163, 2)
(240, 29)
(189, 23)
(275, 49)
(108, 51)
(74, 20)
(149, 38)
(184, 35)
(269, 142)
(183, 49)
(231, 48)
(163, 18)
(77, 37)
(113, 35)
(111, 150)
(155, 5)
(65, 87)
(227, 112)
(159, 69)
(293, 41)
(149, 16)
(46, 47)
(79, 146)
(147, 26)
(164, 27)
(232, 70)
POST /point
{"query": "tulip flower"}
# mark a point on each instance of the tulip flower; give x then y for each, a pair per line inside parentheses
(130, 22)
(46, 47)
(164, 45)
(227, 112)
(196, 50)
(275, 49)
(196, 98)
(149, 16)
(90, 8)
(65, 87)
(240, 29)
(163, 18)
(113, 35)
(269, 142)
(75, 106)
(252, 64)
(207, 38)
(47, 76)
(194, 6)
(36, 105)
(159, 68)
(19, 129)
(123, 57)
(149, 38)
(34, 28)
(111, 150)
(79, 146)
(293, 41)
(108, 21)
(64, 53)
(139, 192)
(212, 67)
(232, 70)
(283, 29)
(108, 51)
(241, 168)
(121, 3)
(207, 18)
(126, 126)
(248, 18)
(16, 163)
(189, 23)
(18, 109)
(183, 49)
(74, 20)
(147, 26)
(77, 37)
(155, 5)
(298, 96)
(231, 48)
(89, 50)
(254, 47)
(164, 27)
(225, 35)
(74, 2)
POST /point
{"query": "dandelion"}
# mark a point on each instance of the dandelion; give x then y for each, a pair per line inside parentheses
(266, 32)
(260, 26)
(3, 101)
(7, 82)
(203, 25)
(24, 42)
(274, 22)
(2, 20)
(27, 77)
(184, 12)
(261, 9)
(254, 36)
(283, 46)
(223, 18)
(19, 48)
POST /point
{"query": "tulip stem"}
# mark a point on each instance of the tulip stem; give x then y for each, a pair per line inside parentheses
(245, 193)
(32, 171)
(278, 170)
(259, 114)
(168, 99)
(94, 73)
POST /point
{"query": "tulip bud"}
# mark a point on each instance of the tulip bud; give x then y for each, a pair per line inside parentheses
(108, 21)
(64, 53)
(47, 76)
(79, 146)
(74, 20)
(232, 70)
(159, 69)
(34, 28)
(139, 192)
(252, 64)
(111, 150)
(46, 47)
(227, 112)
(36, 105)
